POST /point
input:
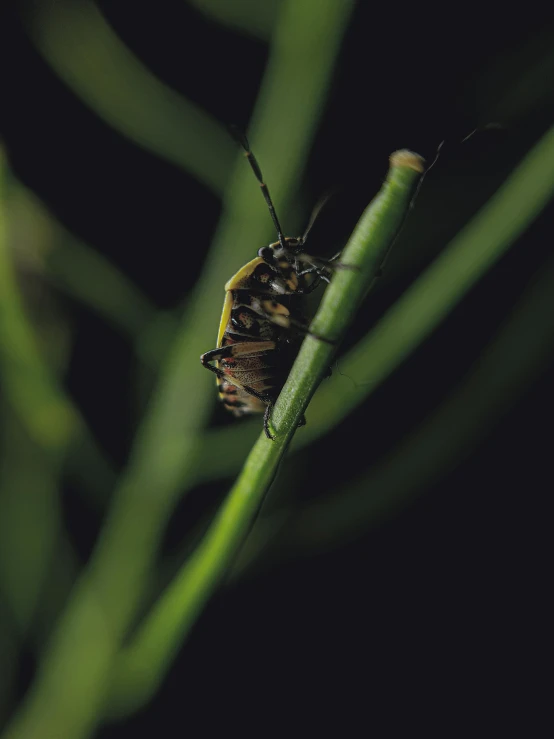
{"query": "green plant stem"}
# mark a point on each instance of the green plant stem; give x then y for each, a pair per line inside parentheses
(143, 665)
(423, 306)
(363, 256)
(468, 257)
(515, 359)
(70, 687)
(517, 356)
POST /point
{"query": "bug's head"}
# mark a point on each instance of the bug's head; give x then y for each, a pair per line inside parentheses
(293, 246)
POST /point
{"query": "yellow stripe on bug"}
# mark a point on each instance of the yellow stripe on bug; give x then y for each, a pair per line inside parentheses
(237, 281)
(225, 315)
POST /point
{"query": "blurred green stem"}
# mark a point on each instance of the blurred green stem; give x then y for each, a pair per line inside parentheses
(92, 60)
(71, 683)
(30, 387)
(144, 663)
(246, 16)
(75, 268)
(34, 446)
(30, 520)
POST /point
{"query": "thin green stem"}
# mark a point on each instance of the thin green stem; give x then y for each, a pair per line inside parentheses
(517, 356)
(469, 256)
(484, 240)
(424, 305)
(143, 665)
(363, 256)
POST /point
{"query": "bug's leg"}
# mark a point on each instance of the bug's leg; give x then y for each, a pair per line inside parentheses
(320, 276)
(212, 356)
(299, 326)
(320, 265)
(267, 415)
(332, 263)
(272, 311)
(312, 285)
(306, 330)
(301, 421)
(321, 273)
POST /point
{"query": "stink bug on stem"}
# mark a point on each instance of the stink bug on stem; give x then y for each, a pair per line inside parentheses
(261, 326)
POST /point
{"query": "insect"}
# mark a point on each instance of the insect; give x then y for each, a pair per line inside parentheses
(261, 325)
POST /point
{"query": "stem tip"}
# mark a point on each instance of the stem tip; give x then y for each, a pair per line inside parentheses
(407, 158)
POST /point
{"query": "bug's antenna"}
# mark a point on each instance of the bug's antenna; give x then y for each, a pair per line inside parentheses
(315, 213)
(243, 141)
(480, 129)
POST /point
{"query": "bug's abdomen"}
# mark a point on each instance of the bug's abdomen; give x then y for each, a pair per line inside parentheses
(254, 350)
(260, 371)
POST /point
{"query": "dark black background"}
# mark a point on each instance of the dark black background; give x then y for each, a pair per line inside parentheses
(432, 619)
